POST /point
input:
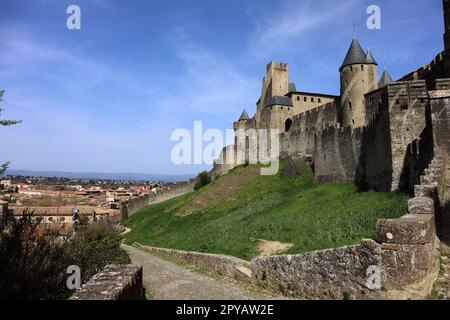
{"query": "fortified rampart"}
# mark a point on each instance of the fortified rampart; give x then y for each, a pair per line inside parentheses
(133, 205)
(434, 70)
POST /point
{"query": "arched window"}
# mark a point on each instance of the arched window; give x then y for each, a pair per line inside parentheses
(320, 100)
(305, 99)
(288, 125)
(312, 99)
(362, 67)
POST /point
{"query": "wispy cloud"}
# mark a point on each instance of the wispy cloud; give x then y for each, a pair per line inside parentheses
(293, 22)
(208, 83)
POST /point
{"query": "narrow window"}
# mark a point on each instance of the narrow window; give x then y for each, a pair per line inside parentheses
(305, 99)
(349, 106)
(362, 67)
(312, 99)
(298, 98)
(320, 100)
(288, 125)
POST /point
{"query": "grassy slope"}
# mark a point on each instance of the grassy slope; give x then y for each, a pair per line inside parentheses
(228, 215)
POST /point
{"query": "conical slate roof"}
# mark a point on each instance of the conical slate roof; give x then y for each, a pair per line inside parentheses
(355, 55)
(369, 58)
(244, 116)
(385, 79)
(292, 87)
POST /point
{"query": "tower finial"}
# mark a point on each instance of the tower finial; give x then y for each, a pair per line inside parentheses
(354, 30)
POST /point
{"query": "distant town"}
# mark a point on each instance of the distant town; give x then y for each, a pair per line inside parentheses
(52, 200)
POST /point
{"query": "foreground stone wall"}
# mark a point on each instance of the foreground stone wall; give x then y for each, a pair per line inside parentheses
(122, 282)
(327, 274)
(221, 264)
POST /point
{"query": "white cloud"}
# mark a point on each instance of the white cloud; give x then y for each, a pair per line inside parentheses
(294, 22)
(208, 83)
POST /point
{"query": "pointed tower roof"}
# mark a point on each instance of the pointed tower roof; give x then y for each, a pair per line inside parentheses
(244, 116)
(370, 59)
(385, 79)
(355, 55)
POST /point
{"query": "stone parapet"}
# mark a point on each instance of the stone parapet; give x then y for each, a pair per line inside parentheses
(220, 264)
(410, 229)
(123, 282)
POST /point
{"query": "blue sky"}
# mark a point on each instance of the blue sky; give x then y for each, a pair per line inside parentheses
(107, 97)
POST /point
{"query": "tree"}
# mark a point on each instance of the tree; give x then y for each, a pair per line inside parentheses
(202, 180)
(5, 123)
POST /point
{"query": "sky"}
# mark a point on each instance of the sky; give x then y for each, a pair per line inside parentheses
(107, 97)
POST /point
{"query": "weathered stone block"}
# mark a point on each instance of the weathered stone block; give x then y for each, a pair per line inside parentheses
(123, 282)
(421, 205)
(410, 229)
(425, 191)
(410, 264)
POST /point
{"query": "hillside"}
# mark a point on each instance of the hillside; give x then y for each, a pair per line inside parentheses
(236, 212)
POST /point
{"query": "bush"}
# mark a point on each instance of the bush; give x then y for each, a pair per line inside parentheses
(33, 266)
(202, 180)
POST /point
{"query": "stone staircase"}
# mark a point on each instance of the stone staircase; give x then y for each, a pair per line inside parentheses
(430, 180)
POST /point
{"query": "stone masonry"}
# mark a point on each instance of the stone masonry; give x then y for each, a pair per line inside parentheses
(122, 282)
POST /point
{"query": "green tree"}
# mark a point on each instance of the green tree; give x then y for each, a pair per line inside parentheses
(5, 123)
(202, 180)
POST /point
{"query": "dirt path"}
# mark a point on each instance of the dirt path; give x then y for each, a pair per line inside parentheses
(164, 280)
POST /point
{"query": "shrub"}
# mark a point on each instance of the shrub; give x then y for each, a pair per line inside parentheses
(34, 267)
(202, 180)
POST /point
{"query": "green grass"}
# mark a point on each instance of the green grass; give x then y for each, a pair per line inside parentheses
(275, 208)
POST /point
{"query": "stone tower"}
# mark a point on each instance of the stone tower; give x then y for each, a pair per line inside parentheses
(277, 80)
(359, 75)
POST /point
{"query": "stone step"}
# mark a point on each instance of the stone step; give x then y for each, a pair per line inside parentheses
(425, 190)
(428, 180)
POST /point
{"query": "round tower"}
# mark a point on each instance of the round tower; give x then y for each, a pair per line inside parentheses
(359, 75)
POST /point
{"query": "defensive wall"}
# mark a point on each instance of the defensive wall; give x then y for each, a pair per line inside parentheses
(133, 205)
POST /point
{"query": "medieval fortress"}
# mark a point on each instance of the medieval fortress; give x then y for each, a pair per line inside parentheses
(377, 133)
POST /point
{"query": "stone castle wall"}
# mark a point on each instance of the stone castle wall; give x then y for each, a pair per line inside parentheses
(133, 205)
(436, 69)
